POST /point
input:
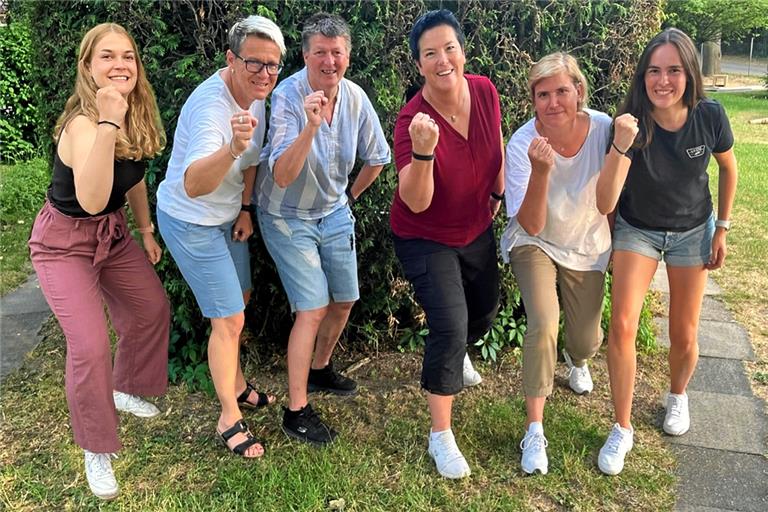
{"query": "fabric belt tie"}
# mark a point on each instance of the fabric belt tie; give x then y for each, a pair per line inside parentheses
(109, 228)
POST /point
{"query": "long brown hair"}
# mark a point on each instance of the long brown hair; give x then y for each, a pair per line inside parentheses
(637, 102)
(143, 135)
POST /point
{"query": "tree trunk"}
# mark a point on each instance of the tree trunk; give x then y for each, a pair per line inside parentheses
(710, 60)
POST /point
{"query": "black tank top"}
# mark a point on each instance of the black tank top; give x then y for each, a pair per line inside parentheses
(61, 191)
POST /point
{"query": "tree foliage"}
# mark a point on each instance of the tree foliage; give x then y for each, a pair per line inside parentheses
(713, 20)
(182, 42)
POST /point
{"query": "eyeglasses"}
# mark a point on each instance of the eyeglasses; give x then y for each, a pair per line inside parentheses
(255, 66)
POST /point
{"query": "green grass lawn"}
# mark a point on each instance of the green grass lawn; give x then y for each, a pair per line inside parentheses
(380, 463)
(22, 192)
(744, 278)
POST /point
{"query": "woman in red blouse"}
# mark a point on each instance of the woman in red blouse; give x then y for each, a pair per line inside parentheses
(449, 157)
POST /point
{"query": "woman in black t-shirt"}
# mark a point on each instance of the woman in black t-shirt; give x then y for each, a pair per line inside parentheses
(656, 170)
(85, 256)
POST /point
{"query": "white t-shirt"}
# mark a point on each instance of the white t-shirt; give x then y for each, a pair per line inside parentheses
(202, 129)
(575, 235)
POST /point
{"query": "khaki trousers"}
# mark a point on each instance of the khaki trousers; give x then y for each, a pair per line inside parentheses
(581, 293)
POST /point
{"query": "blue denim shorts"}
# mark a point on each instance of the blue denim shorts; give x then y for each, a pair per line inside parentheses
(316, 259)
(677, 248)
(216, 268)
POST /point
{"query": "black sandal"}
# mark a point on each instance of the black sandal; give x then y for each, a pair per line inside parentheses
(238, 428)
(262, 401)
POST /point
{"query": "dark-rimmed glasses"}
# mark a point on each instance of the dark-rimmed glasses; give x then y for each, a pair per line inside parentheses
(255, 66)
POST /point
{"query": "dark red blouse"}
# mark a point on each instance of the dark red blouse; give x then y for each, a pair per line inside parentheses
(465, 170)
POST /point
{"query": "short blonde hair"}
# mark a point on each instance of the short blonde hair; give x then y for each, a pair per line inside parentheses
(143, 136)
(554, 64)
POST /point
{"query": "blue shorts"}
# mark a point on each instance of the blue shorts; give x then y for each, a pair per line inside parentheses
(677, 248)
(316, 259)
(216, 268)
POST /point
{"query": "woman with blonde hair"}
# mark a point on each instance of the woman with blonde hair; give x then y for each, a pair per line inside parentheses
(84, 254)
(556, 239)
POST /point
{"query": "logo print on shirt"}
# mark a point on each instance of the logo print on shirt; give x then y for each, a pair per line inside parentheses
(695, 152)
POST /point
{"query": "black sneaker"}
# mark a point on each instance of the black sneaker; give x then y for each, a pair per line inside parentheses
(306, 426)
(331, 381)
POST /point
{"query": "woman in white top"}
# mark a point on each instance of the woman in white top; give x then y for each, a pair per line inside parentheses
(556, 237)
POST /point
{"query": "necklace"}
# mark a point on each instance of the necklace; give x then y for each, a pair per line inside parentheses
(459, 111)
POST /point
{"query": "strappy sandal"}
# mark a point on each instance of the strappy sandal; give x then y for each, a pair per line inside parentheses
(262, 401)
(240, 427)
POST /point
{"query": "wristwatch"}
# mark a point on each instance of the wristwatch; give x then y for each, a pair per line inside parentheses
(247, 208)
(725, 224)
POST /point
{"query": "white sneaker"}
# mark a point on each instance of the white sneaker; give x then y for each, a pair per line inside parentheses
(619, 443)
(677, 421)
(534, 446)
(134, 405)
(98, 472)
(471, 377)
(579, 378)
(448, 459)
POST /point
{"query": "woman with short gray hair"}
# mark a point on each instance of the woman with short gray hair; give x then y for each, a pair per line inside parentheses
(204, 210)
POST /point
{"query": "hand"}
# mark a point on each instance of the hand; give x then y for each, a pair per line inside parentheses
(541, 155)
(243, 228)
(243, 124)
(624, 131)
(719, 251)
(154, 253)
(111, 105)
(313, 106)
(424, 134)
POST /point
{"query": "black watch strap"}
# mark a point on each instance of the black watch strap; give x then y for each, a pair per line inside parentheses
(247, 208)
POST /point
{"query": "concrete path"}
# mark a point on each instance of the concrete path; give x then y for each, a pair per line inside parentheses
(722, 462)
(22, 313)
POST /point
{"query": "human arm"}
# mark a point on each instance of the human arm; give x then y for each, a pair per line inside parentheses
(205, 174)
(89, 149)
(365, 179)
(498, 186)
(726, 191)
(289, 164)
(137, 200)
(416, 184)
(532, 215)
(616, 164)
(243, 227)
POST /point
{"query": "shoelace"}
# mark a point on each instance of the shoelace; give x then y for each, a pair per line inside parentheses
(534, 441)
(99, 464)
(581, 373)
(448, 448)
(676, 407)
(614, 440)
(313, 418)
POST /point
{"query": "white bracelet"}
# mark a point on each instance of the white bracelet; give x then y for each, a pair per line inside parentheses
(725, 224)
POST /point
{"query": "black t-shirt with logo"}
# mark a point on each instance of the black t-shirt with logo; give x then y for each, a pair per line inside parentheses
(667, 188)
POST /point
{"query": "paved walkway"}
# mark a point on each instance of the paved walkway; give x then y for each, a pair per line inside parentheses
(722, 461)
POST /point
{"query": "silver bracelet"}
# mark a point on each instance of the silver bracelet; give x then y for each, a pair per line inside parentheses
(232, 153)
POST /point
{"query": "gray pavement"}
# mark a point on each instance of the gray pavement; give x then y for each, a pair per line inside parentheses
(722, 464)
(22, 313)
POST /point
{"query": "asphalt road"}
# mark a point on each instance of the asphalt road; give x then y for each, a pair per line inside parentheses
(740, 66)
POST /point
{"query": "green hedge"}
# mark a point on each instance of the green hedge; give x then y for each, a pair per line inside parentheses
(17, 104)
(182, 42)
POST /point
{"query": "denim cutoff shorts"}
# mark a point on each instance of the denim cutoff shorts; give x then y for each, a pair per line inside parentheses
(216, 268)
(677, 248)
(316, 259)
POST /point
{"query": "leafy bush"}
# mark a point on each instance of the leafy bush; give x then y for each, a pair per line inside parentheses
(17, 107)
(183, 42)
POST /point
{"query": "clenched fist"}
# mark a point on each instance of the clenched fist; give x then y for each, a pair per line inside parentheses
(624, 131)
(111, 105)
(243, 124)
(313, 106)
(541, 155)
(424, 134)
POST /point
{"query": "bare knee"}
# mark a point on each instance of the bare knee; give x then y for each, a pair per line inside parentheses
(228, 328)
(312, 317)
